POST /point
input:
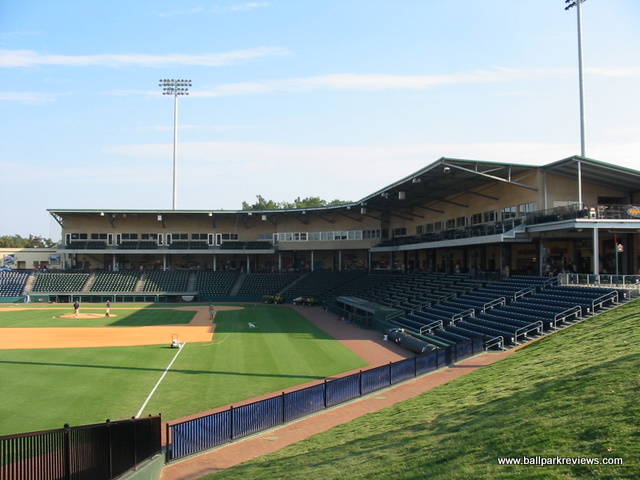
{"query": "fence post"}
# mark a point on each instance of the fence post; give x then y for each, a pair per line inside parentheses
(167, 439)
(284, 413)
(231, 423)
(324, 394)
(110, 449)
(67, 451)
(360, 383)
(135, 441)
(390, 373)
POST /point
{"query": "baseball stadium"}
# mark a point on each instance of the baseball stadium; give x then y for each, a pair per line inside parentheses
(474, 319)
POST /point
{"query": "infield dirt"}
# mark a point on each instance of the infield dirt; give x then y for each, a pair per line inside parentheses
(200, 329)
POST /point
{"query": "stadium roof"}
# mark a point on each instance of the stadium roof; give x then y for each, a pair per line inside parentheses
(447, 180)
(594, 171)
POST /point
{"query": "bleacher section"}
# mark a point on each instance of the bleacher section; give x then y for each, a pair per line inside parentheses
(209, 282)
(59, 282)
(408, 292)
(508, 312)
(258, 284)
(13, 283)
(165, 281)
(122, 281)
(440, 309)
(317, 284)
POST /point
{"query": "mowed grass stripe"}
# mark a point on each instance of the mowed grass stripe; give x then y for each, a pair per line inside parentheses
(123, 317)
(242, 362)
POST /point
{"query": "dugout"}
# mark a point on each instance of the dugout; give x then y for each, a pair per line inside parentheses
(364, 313)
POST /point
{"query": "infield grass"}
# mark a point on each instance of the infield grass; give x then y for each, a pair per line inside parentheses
(574, 394)
(124, 315)
(46, 388)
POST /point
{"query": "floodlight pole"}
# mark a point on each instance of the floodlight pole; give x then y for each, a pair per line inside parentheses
(577, 4)
(175, 88)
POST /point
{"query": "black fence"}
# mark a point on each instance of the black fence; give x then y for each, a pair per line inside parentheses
(92, 452)
(199, 434)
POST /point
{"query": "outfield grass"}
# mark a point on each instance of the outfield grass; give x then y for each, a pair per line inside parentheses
(44, 389)
(126, 316)
(573, 394)
(242, 362)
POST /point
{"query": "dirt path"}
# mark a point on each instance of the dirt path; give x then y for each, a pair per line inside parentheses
(367, 344)
(200, 329)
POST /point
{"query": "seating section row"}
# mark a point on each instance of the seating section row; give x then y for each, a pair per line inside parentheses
(166, 281)
(59, 282)
(257, 284)
(209, 282)
(443, 309)
(321, 283)
(12, 284)
(507, 312)
(122, 281)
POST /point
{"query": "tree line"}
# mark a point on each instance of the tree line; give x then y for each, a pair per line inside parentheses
(309, 202)
(16, 241)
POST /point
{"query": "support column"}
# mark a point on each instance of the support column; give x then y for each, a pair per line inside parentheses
(596, 254)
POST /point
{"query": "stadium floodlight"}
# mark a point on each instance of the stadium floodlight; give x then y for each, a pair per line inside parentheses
(570, 4)
(175, 88)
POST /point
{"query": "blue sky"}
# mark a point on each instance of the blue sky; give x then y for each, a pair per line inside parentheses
(296, 98)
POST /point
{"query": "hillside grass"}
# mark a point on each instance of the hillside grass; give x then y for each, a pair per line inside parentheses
(575, 393)
(46, 388)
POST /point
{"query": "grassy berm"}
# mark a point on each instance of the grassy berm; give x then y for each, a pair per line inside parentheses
(573, 396)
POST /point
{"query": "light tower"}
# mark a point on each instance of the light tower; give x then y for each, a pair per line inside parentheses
(175, 88)
(570, 4)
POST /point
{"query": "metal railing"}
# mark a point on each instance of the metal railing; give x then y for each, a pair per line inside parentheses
(208, 431)
(90, 452)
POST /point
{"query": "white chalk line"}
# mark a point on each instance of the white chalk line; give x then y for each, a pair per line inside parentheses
(166, 370)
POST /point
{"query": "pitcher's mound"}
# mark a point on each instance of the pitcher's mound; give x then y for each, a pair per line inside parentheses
(87, 315)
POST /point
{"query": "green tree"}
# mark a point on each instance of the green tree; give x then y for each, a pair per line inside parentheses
(308, 202)
(261, 204)
(16, 241)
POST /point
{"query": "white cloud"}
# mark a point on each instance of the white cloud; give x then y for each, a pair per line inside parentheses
(619, 72)
(378, 82)
(241, 7)
(29, 98)
(31, 58)
(174, 13)
(198, 128)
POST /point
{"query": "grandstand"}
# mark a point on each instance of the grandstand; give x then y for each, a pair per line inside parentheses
(459, 253)
(458, 248)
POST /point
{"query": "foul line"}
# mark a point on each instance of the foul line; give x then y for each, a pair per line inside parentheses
(166, 370)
